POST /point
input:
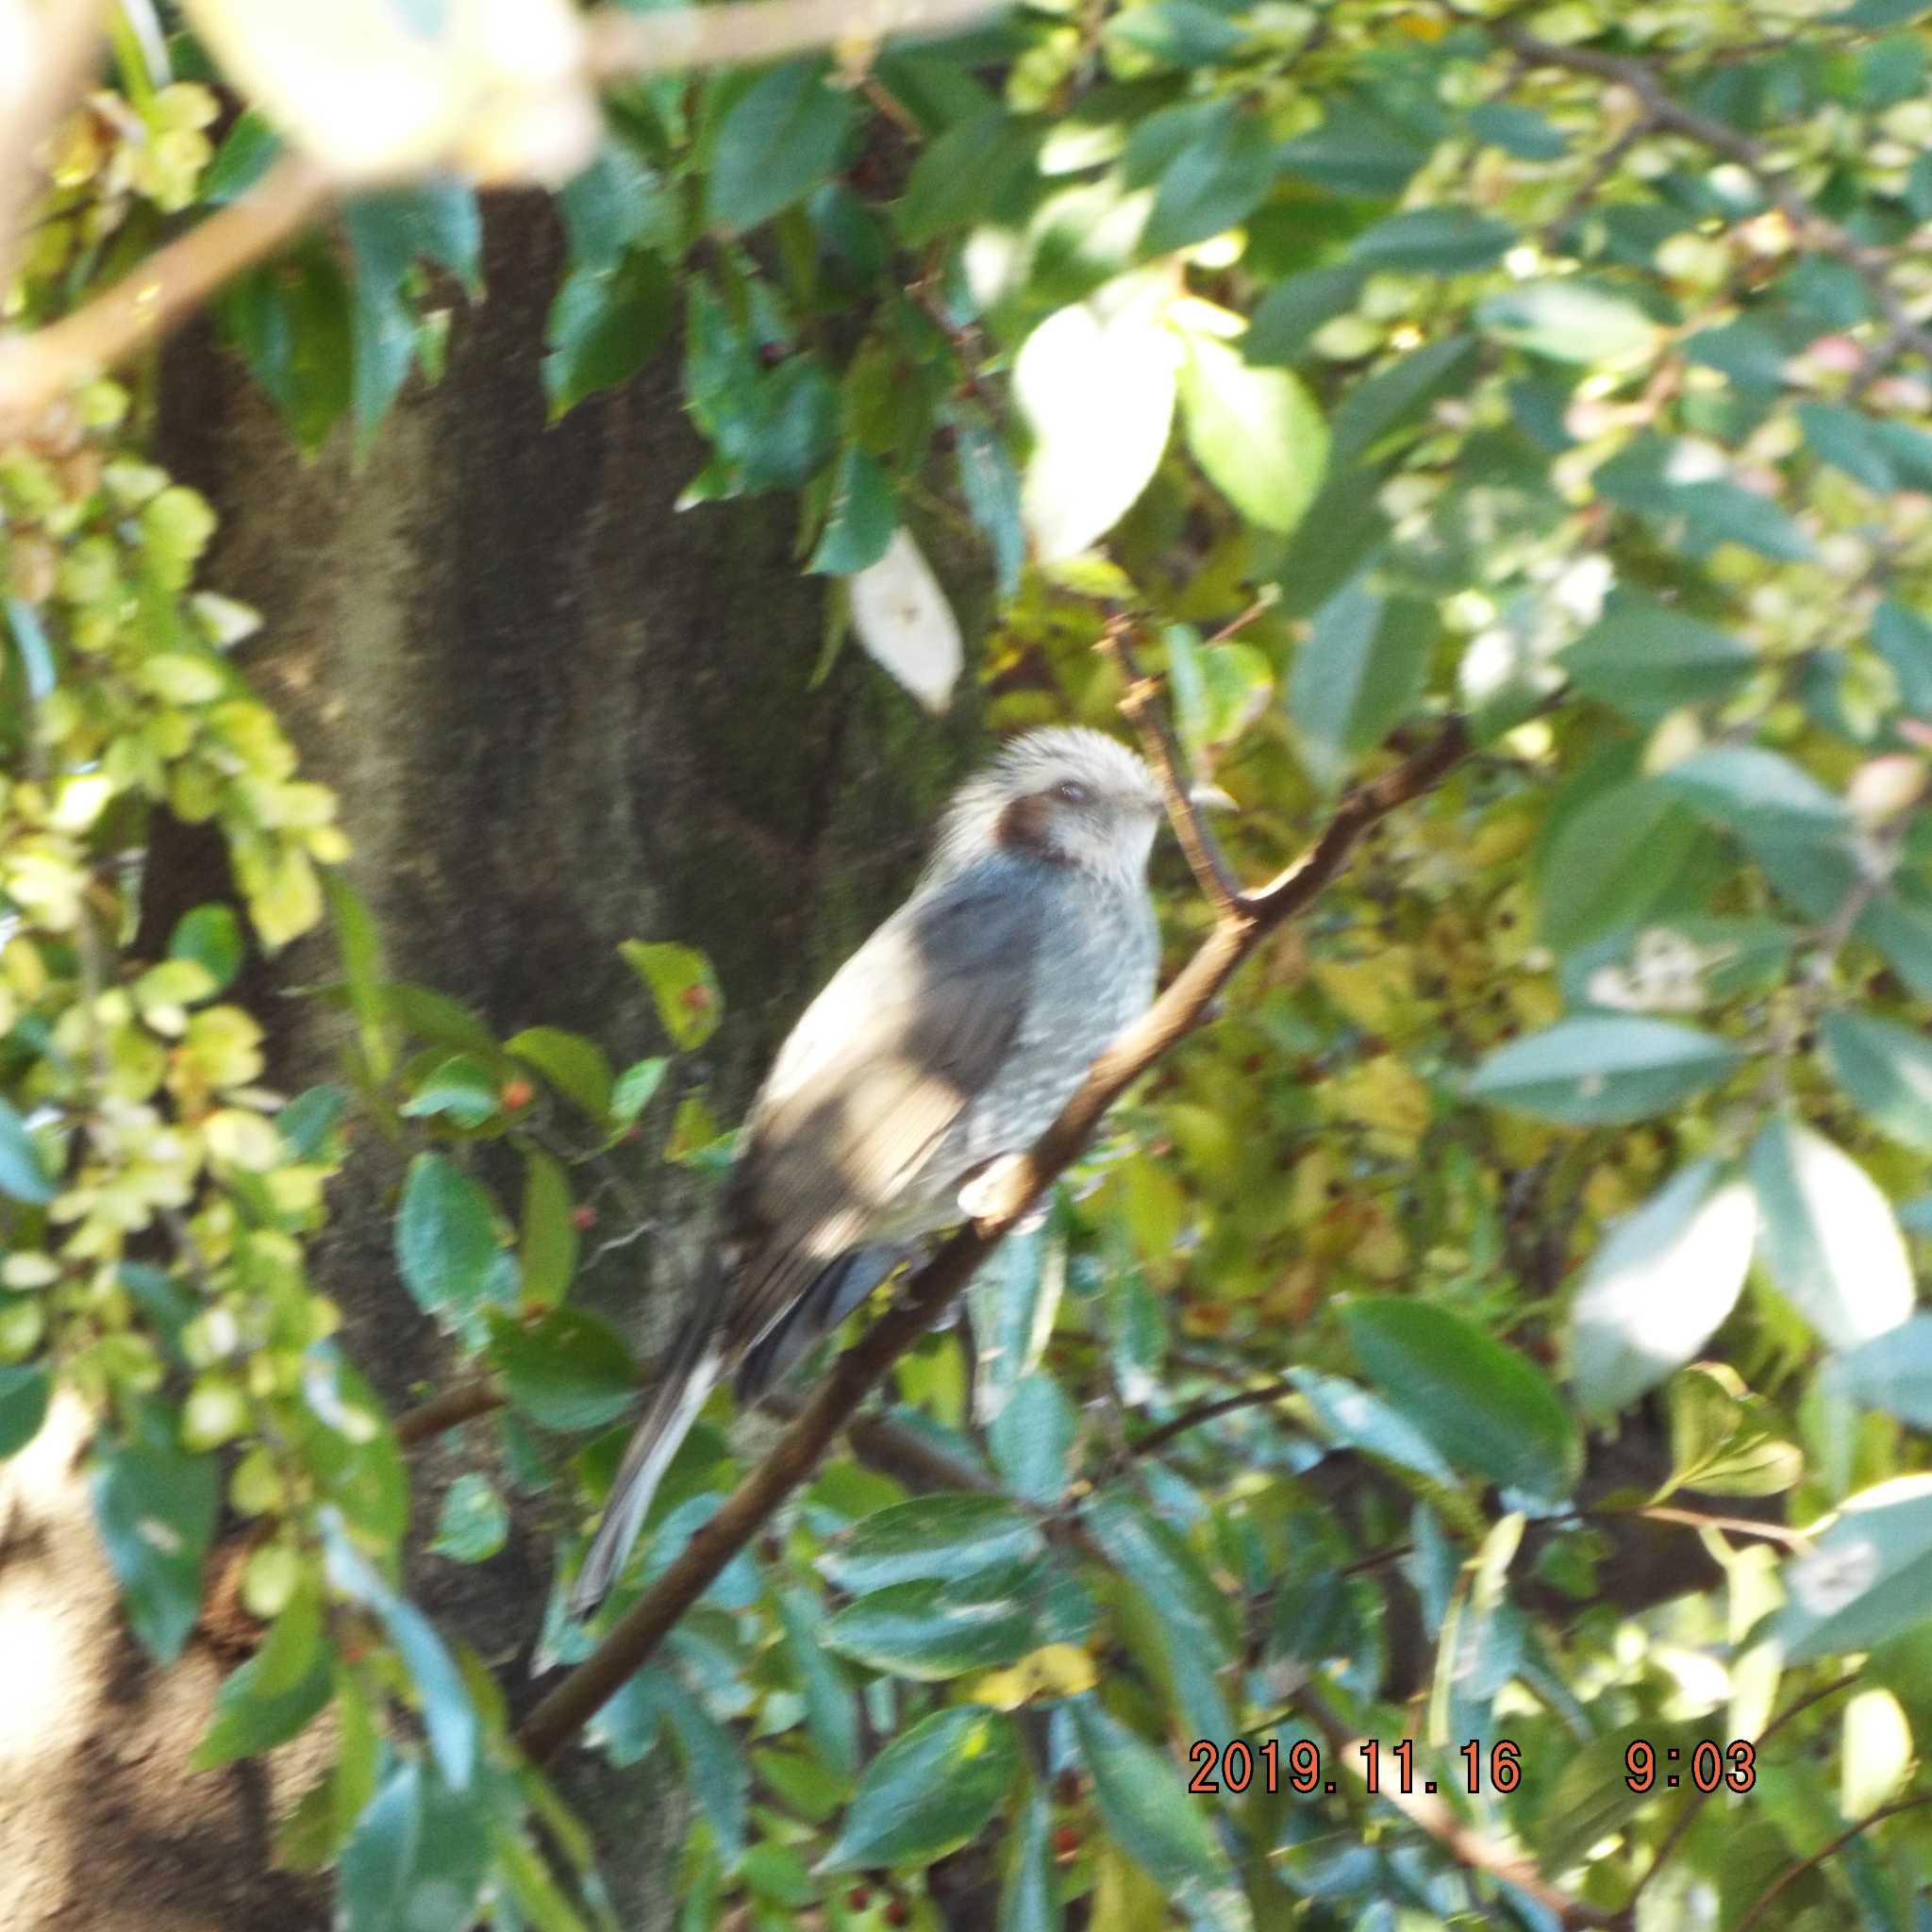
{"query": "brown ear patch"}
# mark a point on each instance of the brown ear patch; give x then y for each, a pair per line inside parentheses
(1023, 826)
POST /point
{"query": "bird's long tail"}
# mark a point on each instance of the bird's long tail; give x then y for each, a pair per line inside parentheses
(690, 1373)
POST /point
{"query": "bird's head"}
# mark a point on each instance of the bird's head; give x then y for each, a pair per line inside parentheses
(1067, 796)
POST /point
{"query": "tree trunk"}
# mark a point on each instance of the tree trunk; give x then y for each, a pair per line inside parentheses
(560, 714)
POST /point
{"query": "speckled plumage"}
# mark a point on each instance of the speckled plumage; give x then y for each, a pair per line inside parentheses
(948, 1041)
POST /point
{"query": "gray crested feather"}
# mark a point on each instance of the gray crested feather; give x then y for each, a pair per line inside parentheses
(949, 1040)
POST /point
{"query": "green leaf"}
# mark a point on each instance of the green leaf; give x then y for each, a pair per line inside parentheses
(832, 1705)
(243, 157)
(1214, 163)
(1610, 861)
(779, 139)
(154, 1505)
(1398, 395)
(252, 1715)
(1590, 1796)
(211, 936)
(1866, 1577)
(20, 1172)
(943, 1536)
(1295, 309)
(1441, 241)
(1647, 660)
(1656, 1291)
(1884, 1070)
(447, 1245)
(1028, 1898)
(449, 1717)
(861, 517)
(930, 1791)
(1014, 1301)
(634, 1091)
(1891, 1372)
(1485, 1406)
(964, 175)
(1255, 431)
(714, 1761)
(1351, 1418)
(610, 207)
(461, 1089)
(1358, 675)
(25, 1389)
(1146, 1810)
(1595, 1069)
(361, 955)
(1903, 640)
(938, 1628)
(1845, 439)
(1569, 320)
(436, 1017)
(417, 1857)
(548, 1255)
(603, 326)
(473, 1524)
(567, 1371)
(990, 486)
(1828, 1238)
(1219, 690)
(576, 1067)
(1725, 1440)
(1745, 785)
(688, 1003)
(1032, 1437)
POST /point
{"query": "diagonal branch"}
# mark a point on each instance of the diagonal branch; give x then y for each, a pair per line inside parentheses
(862, 1367)
(1141, 708)
(1664, 110)
(1782, 1883)
(163, 291)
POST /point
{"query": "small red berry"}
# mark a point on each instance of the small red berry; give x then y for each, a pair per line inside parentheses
(517, 1094)
(583, 1217)
(858, 1898)
(1066, 1841)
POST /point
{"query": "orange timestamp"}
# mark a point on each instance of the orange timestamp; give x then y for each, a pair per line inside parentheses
(1236, 1767)
(1710, 1764)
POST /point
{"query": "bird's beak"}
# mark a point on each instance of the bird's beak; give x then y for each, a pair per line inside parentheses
(1204, 797)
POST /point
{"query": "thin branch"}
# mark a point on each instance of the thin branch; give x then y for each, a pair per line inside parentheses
(1141, 708)
(458, 1404)
(1462, 1842)
(163, 290)
(624, 44)
(1699, 1796)
(1735, 1525)
(1662, 109)
(1208, 1412)
(1786, 1879)
(863, 1365)
(69, 33)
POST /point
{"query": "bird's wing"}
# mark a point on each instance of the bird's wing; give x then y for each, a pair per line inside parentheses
(906, 1035)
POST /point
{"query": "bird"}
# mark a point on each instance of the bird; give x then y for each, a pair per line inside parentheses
(932, 1060)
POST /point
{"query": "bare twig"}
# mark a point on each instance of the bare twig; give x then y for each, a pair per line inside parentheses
(1662, 109)
(1141, 706)
(458, 1404)
(169, 285)
(1208, 1412)
(1463, 1843)
(1776, 1888)
(1699, 1796)
(863, 1365)
(31, 106)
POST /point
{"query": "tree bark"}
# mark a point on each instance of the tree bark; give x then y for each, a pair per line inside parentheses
(560, 714)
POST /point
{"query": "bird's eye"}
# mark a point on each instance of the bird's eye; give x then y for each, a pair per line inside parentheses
(1071, 792)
